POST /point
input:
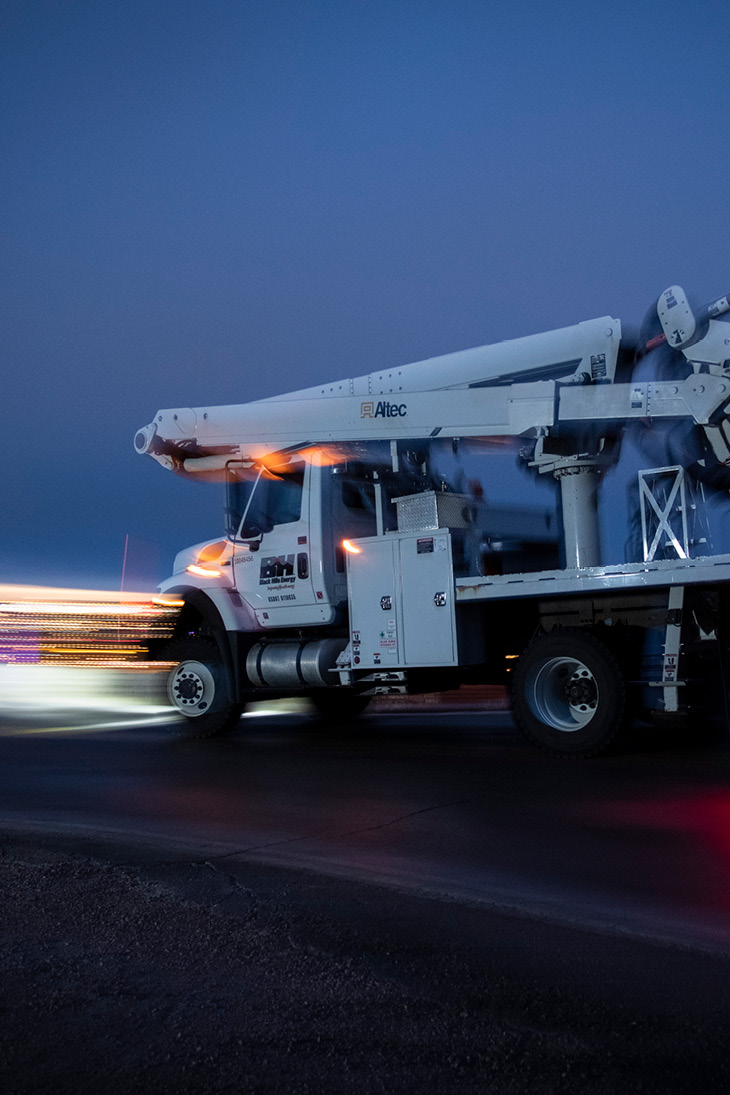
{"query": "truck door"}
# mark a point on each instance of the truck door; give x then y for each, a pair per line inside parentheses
(273, 551)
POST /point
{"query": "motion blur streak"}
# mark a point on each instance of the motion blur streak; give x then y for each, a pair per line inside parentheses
(81, 659)
(136, 719)
(82, 649)
(40, 626)
(52, 689)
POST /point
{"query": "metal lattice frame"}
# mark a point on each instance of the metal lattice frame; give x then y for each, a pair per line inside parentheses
(672, 513)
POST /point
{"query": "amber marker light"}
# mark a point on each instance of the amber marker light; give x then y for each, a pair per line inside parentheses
(204, 572)
(352, 548)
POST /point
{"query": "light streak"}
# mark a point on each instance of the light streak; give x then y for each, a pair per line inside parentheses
(76, 608)
(326, 456)
(353, 549)
(80, 627)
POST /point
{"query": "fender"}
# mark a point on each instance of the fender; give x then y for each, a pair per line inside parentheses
(223, 604)
(227, 617)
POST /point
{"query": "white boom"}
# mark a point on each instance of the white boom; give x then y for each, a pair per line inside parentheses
(560, 382)
(507, 388)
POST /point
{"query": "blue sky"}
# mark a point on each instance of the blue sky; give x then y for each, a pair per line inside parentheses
(210, 202)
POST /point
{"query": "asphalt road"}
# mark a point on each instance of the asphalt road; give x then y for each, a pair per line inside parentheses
(450, 804)
(585, 905)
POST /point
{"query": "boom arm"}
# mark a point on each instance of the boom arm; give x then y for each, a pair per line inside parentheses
(560, 384)
(488, 391)
(251, 431)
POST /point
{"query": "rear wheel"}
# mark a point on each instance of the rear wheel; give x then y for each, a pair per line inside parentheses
(198, 690)
(569, 695)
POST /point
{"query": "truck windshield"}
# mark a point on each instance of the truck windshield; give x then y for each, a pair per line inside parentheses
(264, 498)
(239, 485)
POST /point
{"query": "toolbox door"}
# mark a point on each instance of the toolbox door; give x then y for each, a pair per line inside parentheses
(427, 590)
(373, 595)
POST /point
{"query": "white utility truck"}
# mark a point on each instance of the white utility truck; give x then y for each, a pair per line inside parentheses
(352, 567)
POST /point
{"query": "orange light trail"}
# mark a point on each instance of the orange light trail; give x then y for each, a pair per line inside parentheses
(80, 627)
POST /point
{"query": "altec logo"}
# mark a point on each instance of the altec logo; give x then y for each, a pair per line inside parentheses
(383, 410)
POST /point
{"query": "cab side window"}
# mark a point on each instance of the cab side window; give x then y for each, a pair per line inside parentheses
(284, 495)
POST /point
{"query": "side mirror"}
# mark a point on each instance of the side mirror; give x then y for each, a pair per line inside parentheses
(251, 535)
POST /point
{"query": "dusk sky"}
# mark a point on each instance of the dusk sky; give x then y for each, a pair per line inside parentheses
(212, 202)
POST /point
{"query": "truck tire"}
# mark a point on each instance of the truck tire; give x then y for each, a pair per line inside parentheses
(198, 690)
(568, 694)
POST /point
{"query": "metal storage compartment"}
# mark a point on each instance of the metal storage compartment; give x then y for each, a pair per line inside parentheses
(433, 510)
(401, 593)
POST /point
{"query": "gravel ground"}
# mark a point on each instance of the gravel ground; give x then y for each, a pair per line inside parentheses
(127, 972)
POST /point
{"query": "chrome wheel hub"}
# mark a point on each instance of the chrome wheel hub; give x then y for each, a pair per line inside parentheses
(191, 688)
(564, 694)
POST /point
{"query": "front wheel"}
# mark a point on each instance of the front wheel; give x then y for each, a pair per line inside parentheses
(568, 694)
(198, 690)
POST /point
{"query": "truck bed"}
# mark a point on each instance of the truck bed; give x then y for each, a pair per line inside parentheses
(660, 573)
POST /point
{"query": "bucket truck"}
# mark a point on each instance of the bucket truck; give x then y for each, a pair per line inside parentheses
(351, 567)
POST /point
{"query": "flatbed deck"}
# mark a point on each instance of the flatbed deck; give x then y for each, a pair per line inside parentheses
(603, 579)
